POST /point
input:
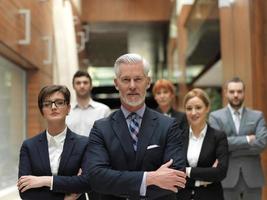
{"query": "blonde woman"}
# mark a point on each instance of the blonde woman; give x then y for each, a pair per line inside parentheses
(206, 151)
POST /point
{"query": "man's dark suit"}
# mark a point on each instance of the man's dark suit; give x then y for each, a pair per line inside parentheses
(34, 160)
(115, 169)
(214, 147)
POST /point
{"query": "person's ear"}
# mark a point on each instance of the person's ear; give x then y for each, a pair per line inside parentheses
(69, 107)
(208, 109)
(116, 84)
(148, 82)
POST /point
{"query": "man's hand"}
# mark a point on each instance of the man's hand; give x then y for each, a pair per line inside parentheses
(28, 182)
(215, 164)
(167, 178)
(251, 138)
(72, 196)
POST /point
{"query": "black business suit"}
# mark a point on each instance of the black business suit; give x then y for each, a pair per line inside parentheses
(116, 170)
(179, 116)
(214, 147)
(34, 160)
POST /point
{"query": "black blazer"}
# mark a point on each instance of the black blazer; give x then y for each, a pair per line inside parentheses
(116, 170)
(215, 146)
(179, 116)
(34, 160)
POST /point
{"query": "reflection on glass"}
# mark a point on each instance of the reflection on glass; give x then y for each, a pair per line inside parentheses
(12, 120)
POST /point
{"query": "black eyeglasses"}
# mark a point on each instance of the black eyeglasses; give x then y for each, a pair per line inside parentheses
(59, 103)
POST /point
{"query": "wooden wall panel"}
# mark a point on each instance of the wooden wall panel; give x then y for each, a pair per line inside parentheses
(236, 44)
(36, 80)
(244, 52)
(182, 46)
(227, 43)
(12, 28)
(125, 10)
(242, 46)
(259, 59)
(30, 57)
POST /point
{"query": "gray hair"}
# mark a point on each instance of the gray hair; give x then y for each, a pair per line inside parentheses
(131, 58)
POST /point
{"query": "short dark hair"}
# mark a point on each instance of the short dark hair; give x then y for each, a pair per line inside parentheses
(49, 90)
(235, 79)
(80, 73)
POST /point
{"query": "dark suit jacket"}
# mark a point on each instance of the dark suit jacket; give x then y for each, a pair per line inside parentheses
(34, 160)
(115, 169)
(179, 116)
(214, 147)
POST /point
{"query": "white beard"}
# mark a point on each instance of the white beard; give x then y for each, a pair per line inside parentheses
(134, 103)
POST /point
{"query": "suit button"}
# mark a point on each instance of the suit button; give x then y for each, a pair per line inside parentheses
(193, 192)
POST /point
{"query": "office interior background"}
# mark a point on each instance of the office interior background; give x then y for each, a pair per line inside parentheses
(194, 43)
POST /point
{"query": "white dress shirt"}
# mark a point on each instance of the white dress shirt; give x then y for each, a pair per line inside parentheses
(81, 120)
(55, 148)
(235, 117)
(240, 110)
(194, 148)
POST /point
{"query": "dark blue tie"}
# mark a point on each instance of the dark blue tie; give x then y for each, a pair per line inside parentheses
(134, 128)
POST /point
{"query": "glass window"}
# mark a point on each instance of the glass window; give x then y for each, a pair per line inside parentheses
(12, 120)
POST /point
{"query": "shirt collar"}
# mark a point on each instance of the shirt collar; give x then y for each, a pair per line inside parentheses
(91, 103)
(201, 135)
(232, 110)
(59, 138)
(140, 112)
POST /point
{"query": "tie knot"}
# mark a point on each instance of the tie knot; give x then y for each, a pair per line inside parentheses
(236, 112)
(132, 116)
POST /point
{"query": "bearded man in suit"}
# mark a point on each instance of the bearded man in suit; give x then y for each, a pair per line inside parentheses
(140, 157)
(247, 137)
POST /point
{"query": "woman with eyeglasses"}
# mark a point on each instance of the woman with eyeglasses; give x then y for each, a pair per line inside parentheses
(206, 150)
(55, 152)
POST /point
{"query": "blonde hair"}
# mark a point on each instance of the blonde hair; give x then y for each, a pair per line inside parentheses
(197, 92)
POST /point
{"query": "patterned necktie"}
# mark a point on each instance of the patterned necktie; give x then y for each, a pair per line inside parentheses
(134, 128)
(237, 120)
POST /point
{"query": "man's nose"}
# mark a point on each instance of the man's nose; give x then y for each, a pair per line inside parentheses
(132, 83)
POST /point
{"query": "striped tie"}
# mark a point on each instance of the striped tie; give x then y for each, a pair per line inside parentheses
(134, 128)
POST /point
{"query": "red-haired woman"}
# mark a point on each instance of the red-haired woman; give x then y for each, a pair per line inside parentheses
(164, 94)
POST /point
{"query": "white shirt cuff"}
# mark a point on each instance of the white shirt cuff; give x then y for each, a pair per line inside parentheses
(197, 183)
(143, 185)
(188, 171)
(248, 139)
(51, 186)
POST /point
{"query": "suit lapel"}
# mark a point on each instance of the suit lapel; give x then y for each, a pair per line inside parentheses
(120, 128)
(146, 131)
(243, 120)
(205, 146)
(67, 150)
(43, 152)
(186, 142)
